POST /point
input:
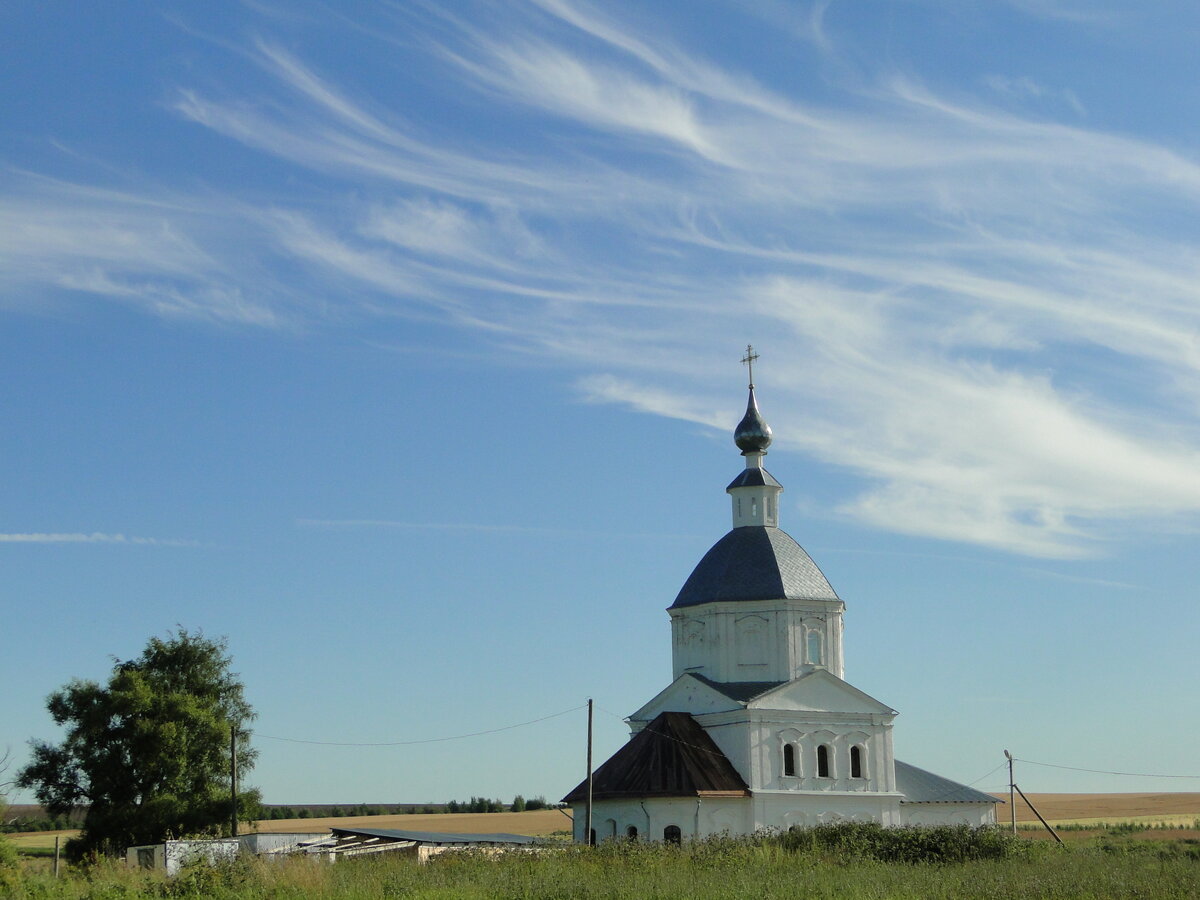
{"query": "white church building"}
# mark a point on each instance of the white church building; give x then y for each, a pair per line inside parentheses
(759, 729)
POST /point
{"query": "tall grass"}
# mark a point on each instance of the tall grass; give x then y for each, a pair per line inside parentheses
(842, 862)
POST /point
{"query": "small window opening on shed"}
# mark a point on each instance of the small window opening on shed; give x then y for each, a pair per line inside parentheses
(631, 832)
(672, 834)
(856, 762)
(789, 759)
(592, 838)
(822, 761)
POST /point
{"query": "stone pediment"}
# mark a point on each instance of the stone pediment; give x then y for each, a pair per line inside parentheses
(820, 691)
(687, 693)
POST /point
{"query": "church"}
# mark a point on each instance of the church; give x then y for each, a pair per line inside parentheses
(759, 729)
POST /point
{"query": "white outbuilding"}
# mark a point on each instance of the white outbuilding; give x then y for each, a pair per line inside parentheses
(759, 729)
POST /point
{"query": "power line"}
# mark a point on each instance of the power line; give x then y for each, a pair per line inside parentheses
(1101, 771)
(438, 740)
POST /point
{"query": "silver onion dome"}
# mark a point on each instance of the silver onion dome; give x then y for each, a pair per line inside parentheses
(753, 434)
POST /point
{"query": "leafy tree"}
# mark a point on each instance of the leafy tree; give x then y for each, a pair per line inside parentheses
(518, 804)
(147, 753)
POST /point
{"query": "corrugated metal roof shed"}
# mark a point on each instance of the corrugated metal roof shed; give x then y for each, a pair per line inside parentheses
(920, 786)
(438, 837)
(671, 757)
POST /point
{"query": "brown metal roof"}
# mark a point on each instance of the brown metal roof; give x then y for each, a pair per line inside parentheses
(671, 757)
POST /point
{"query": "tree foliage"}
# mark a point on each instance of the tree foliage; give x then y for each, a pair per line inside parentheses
(147, 754)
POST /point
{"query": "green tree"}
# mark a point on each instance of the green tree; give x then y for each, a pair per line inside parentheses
(518, 804)
(147, 754)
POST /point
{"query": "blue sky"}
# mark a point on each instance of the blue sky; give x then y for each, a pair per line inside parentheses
(399, 343)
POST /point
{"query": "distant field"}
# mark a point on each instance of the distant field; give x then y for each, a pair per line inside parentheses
(1081, 809)
(538, 822)
(31, 840)
(1096, 808)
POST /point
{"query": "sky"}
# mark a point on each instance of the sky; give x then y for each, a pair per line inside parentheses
(398, 344)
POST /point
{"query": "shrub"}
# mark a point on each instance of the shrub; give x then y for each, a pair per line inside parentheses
(847, 841)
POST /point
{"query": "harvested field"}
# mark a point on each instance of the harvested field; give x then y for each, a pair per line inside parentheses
(1111, 808)
(538, 822)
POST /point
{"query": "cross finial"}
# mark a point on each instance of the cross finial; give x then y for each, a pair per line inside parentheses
(748, 361)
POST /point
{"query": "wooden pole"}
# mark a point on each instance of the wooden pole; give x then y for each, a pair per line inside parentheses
(233, 798)
(1039, 815)
(57, 838)
(587, 825)
(1012, 797)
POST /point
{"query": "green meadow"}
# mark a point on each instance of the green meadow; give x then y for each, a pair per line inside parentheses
(851, 862)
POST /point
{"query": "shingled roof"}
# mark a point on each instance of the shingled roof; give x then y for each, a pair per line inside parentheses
(755, 562)
(671, 757)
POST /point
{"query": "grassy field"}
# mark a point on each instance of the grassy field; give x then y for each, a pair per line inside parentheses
(1118, 862)
(712, 869)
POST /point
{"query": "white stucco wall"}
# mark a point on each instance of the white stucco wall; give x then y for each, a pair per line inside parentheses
(695, 817)
(753, 740)
(762, 641)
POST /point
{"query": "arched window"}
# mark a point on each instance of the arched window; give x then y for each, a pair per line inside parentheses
(672, 834)
(631, 832)
(754, 507)
(611, 827)
(789, 759)
(592, 838)
(856, 762)
(814, 648)
(822, 761)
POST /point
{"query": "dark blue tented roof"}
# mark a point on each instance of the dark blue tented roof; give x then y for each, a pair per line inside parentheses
(741, 691)
(754, 476)
(755, 562)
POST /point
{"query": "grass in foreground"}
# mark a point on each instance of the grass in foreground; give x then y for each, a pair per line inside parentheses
(835, 862)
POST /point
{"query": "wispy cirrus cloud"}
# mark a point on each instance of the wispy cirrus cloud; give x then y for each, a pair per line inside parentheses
(988, 318)
(94, 537)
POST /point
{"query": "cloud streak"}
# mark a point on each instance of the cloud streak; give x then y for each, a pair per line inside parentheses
(988, 319)
(95, 537)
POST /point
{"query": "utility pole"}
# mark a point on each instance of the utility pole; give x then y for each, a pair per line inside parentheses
(1012, 787)
(233, 798)
(587, 825)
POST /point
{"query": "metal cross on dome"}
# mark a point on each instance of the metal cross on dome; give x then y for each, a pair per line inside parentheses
(748, 361)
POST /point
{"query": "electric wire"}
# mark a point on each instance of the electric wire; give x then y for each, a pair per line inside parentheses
(437, 740)
(1100, 771)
